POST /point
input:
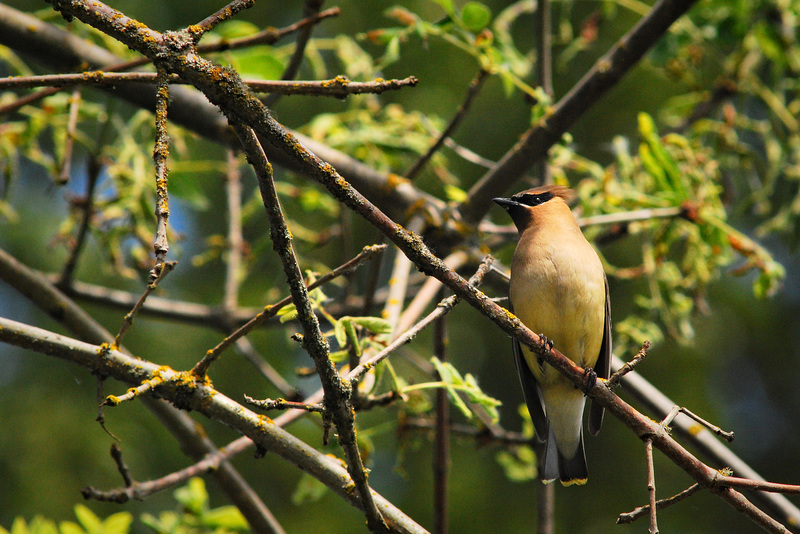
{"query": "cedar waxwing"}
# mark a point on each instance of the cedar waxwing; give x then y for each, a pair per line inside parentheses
(558, 287)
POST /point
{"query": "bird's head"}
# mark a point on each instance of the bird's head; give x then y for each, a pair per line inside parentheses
(532, 205)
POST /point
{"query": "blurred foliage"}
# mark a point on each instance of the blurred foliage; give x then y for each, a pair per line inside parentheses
(723, 150)
(88, 523)
(194, 515)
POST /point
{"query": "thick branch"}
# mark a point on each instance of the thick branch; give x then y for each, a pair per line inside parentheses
(206, 400)
(190, 435)
(63, 51)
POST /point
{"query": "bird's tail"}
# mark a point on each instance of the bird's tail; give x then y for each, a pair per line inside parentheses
(556, 466)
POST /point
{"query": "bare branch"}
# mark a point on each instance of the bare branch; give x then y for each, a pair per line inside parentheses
(728, 436)
(441, 456)
(614, 379)
(233, 191)
(160, 155)
(226, 13)
(87, 210)
(339, 87)
(156, 275)
(630, 517)
(651, 485)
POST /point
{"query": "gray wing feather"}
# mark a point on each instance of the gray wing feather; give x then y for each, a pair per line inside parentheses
(602, 367)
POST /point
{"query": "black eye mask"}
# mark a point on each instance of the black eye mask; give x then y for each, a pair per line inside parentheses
(532, 200)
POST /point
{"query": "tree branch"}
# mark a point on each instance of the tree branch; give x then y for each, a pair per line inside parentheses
(204, 399)
(337, 395)
(604, 75)
(192, 437)
(64, 51)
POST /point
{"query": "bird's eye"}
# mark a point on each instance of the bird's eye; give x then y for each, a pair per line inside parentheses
(530, 199)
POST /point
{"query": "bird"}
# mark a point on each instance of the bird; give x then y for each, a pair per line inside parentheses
(558, 287)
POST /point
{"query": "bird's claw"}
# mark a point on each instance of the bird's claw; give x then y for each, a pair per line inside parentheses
(547, 345)
(591, 379)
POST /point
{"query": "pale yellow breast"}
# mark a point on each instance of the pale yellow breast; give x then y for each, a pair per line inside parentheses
(558, 289)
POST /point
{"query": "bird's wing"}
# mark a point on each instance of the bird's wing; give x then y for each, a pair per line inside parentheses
(602, 367)
(531, 392)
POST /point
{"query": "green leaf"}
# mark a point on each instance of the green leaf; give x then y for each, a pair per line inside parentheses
(19, 526)
(454, 193)
(119, 523)
(287, 313)
(519, 464)
(88, 520)
(226, 517)
(308, 490)
(475, 16)
(448, 6)
(339, 331)
(376, 325)
(193, 496)
(352, 335)
(67, 527)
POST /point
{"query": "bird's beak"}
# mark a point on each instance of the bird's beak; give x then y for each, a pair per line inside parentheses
(505, 203)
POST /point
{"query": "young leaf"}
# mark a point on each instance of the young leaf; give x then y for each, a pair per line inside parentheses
(475, 16)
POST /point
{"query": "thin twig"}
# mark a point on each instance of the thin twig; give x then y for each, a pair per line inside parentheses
(283, 404)
(473, 90)
(156, 275)
(269, 35)
(28, 99)
(727, 436)
(310, 8)
(633, 515)
(160, 155)
(441, 456)
(632, 216)
(760, 485)
(442, 309)
(336, 397)
(87, 211)
(366, 254)
(338, 87)
(145, 387)
(122, 467)
(651, 485)
(233, 191)
(615, 378)
(226, 13)
(69, 143)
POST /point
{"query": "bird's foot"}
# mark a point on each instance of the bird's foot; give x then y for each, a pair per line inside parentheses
(591, 378)
(546, 345)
